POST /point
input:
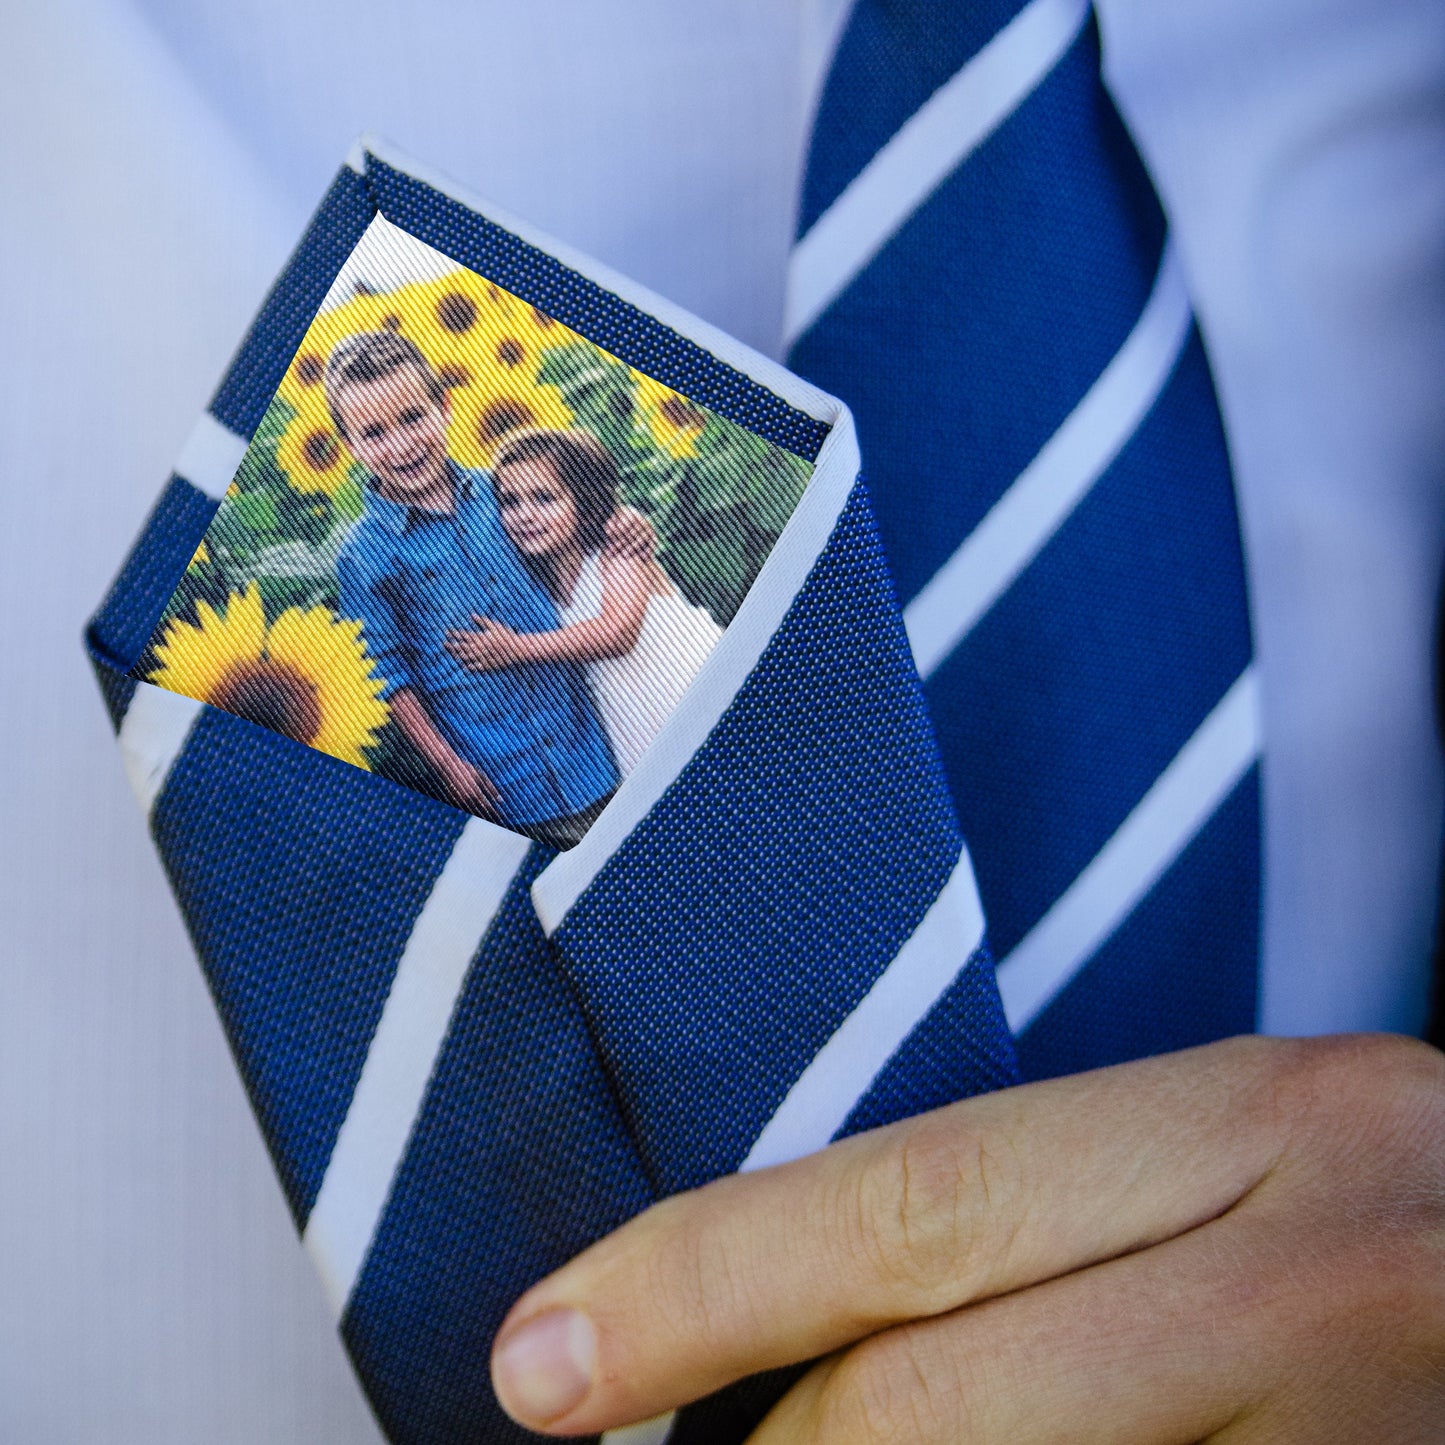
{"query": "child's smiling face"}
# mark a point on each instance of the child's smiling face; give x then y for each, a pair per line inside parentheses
(399, 432)
(538, 512)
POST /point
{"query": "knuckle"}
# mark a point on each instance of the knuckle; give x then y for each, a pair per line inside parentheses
(1372, 1097)
(1366, 1121)
(934, 1209)
(694, 1280)
(883, 1393)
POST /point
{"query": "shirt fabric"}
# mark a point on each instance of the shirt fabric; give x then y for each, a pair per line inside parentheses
(161, 158)
(410, 575)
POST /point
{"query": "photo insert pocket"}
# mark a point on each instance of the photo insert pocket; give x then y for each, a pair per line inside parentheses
(470, 550)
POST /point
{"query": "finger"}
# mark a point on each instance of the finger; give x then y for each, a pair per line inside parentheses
(1161, 1347)
(1230, 1332)
(987, 1196)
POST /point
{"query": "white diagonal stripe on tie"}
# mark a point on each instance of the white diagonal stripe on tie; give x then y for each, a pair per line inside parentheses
(210, 456)
(152, 734)
(1182, 800)
(646, 1432)
(1039, 501)
(461, 907)
(825, 1093)
(926, 149)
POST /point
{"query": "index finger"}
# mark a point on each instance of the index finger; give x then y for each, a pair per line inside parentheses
(978, 1199)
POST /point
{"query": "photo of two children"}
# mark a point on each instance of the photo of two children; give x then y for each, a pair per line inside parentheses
(470, 550)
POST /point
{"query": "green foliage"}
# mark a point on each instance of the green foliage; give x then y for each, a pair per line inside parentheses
(718, 508)
(257, 511)
(717, 512)
(267, 532)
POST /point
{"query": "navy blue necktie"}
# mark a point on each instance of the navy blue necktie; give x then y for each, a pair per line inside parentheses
(470, 1055)
(984, 274)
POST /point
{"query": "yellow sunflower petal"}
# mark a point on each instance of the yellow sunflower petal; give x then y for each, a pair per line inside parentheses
(313, 410)
(246, 619)
(674, 421)
(470, 336)
(678, 441)
(195, 659)
(482, 419)
(546, 330)
(313, 456)
(303, 383)
(187, 664)
(329, 654)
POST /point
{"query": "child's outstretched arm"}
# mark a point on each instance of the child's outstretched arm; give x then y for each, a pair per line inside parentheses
(626, 586)
(469, 786)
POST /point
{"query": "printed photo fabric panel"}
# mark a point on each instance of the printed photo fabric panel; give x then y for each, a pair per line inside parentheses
(469, 549)
(682, 891)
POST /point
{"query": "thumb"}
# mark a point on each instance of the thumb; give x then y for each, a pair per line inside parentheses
(979, 1199)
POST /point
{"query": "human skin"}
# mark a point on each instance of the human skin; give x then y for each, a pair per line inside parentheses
(398, 431)
(1239, 1243)
(467, 785)
(539, 515)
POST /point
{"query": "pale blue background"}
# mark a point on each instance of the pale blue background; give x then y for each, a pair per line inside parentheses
(157, 159)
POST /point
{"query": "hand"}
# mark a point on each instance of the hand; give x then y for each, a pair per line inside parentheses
(1240, 1243)
(630, 536)
(470, 788)
(493, 645)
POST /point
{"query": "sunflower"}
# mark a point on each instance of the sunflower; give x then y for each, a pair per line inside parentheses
(403, 310)
(674, 421)
(471, 330)
(548, 331)
(545, 333)
(484, 413)
(306, 372)
(502, 355)
(455, 306)
(407, 312)
(307, 676)
(509, 348)
(313, 457)
(303, 383)
(311, 452)
(445, 316)
(372, 311)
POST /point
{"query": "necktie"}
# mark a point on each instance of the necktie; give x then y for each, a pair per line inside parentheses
(983, 273)
(471, 1055)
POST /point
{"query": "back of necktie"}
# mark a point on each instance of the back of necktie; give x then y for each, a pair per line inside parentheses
(471, 1055)
(984, 274)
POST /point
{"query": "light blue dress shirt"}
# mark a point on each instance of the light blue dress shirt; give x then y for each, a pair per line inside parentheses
(160, 159)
